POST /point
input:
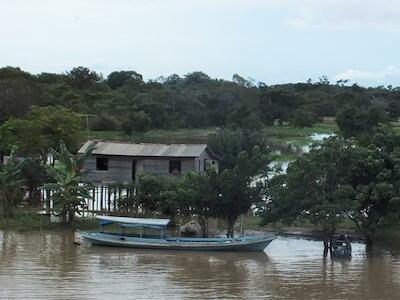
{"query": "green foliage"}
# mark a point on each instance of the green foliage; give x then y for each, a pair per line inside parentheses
(302, 118)
(340, 179)
(312, 188)
(227, 144)
(194, 101)
(82, 77)
(104, 123)
(238, 188)
(18, 92)
(243, 158)
(34, 174)
(148, 193)
(41, 130)
(67, 191)
(10, 186)
(138, 121)
(118, 79)
(195, 194)
(360, 120)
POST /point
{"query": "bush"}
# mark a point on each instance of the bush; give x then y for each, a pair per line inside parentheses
(104, 123)
(138, 121)
(302, 118)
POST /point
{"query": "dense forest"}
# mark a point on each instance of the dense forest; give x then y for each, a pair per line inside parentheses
(124, 101)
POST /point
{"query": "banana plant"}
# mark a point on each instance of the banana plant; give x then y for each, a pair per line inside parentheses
(68, 191)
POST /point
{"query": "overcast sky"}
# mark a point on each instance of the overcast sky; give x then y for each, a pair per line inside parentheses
(273, 41)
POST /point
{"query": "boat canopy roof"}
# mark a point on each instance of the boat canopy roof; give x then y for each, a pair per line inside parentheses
(134, 222)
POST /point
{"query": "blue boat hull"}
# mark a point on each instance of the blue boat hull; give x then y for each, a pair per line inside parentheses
(257, 243)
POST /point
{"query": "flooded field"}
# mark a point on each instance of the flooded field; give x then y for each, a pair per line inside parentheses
(50, 266)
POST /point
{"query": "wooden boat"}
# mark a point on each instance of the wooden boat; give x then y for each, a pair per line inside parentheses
(163, 241)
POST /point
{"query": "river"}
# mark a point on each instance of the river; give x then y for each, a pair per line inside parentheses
(50, 266)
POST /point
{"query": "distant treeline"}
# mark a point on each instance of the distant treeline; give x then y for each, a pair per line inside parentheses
(124, 101)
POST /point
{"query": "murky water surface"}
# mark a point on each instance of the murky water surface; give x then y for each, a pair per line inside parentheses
(50, 266)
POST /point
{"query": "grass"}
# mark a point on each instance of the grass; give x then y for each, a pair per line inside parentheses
(197, 135)
(181, 135)
(28, 221)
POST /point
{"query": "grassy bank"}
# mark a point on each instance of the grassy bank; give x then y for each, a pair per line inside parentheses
(200, 135)
(27, 221)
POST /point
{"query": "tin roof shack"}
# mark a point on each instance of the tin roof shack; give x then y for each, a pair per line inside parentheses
(123, 162)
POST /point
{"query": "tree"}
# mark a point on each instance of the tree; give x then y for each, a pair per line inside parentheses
(68, 191)
(82, 77)
(148, 192)
(227, 144)
(278, 104)
(120, 78)
(41, 130)
(18, 92)
(138, 121)
(360, 121)
(104, 123)
(34, 174)
(196, 194)
(374, 187)
(244, 118)
(10, 186)
(239, 189)
(339, 179)
(312, 189)
(302, 118)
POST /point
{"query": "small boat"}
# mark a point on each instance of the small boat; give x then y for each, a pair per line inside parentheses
(341, 247)
(163, 241)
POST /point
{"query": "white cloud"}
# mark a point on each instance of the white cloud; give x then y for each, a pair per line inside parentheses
(379, 76)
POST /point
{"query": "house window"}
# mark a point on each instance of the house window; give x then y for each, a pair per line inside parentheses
(175, 167)
(102, 163)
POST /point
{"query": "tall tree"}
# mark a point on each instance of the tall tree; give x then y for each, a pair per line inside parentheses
(118, 79)
(240, 188)
(312, 188)
(197, 194)
(82, 77)
(41, 130)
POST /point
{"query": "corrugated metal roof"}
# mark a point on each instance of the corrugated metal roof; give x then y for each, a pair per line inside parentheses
(152, 150)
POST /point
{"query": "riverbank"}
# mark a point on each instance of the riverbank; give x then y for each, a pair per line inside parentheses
(26, 221)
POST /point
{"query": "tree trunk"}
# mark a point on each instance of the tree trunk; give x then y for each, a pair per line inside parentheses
(231, 227)
(34, 196)
(203, 221)
(326, 244)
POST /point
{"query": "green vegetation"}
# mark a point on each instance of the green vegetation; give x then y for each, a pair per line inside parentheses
(10, 187)
(340, 179)
(24, 220)
(125, 102)
(67, 192)
(352, 176)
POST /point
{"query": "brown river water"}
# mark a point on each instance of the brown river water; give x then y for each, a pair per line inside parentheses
(50, 266)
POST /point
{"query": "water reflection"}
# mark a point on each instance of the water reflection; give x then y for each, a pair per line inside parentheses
(49, 266)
